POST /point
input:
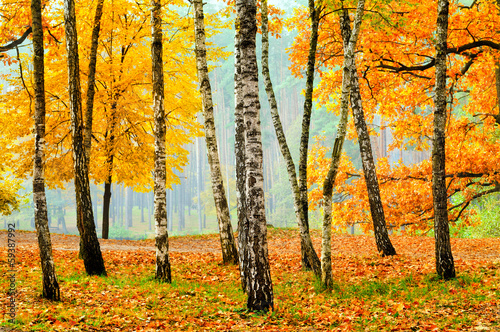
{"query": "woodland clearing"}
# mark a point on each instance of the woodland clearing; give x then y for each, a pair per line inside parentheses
(371, 293)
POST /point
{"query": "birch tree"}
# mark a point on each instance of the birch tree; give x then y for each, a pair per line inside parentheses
(349, 42)
(163, 272)
(90, 248)
(445, 266)
(50, 285)
(228, 244)
(310, 259)
(256, 260)
(239, 152)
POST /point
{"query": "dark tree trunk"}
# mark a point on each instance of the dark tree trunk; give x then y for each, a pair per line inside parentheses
(256, 260)
(90, 249)
(310, 259)
(163, 271)
(106, 200)
(50, 284)
(445, 266)
(228, 244)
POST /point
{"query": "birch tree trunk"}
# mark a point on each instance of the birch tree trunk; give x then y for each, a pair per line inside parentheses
(90, 248)
(445, 266)
(239, 152)
(310, 259)
(259, 288)
(229, 252)
(349, 41)
(163, 272)
(382, 239)
(91, 79)
(49, 280)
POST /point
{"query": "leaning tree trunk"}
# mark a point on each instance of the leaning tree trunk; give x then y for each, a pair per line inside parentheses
(90, 249)
(307, 249)
(259, 288)
(350, 41)
(239, 152)
(229, 252)
(445, 266)
(163, 272)
(310, 259)
(382, 239)
(91, 79)
(49, 280)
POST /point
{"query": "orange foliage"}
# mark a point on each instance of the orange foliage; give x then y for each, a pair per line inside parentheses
(394, 59)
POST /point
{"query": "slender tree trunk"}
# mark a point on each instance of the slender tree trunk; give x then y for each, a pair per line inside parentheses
(90, 249)
(239, 152)
(91, 79)
(445, 266)
(198, 184)
(49, 280)
(310, 259)
(497, 77)
(229, 252)
(259, 288)
(382, 239)
(105, 208)
(163, 272)
(349, 41)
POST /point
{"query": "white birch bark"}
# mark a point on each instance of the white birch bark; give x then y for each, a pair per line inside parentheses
(259, 288)
(163, 271)
(350, 40)
(228, 244)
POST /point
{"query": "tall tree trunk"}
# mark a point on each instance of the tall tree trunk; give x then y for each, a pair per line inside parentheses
(310, 259)
(49, 280)
(445, 266)
(91, 79)
(259, 288)
(349, 41)
(228, 245)
(239, 152)
(90, 249)
(163, 272)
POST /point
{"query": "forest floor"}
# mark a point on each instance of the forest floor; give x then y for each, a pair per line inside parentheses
(370, 293)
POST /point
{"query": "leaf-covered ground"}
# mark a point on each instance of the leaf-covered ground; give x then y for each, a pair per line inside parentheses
(371, 293)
